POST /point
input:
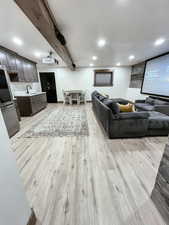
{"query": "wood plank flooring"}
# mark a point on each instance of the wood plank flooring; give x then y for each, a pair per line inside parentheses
(89, 180)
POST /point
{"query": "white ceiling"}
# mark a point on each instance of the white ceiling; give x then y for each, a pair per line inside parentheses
(13, 23)
(129, 27)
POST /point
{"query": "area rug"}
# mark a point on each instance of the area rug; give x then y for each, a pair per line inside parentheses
(66, 121)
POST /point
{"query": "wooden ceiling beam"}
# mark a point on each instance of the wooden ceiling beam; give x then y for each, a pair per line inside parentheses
(40, 14)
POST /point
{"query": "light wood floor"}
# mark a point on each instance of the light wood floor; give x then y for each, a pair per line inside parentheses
(89, 180)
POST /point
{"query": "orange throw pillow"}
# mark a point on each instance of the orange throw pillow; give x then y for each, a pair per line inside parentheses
(127, 108)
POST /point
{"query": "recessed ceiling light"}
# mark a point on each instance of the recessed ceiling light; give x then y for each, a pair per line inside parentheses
(94, 57)
(131, 57)
(17, 41)
(91, 64)
(37, 54)
(118, 64)
(159, 41)
(101, 43)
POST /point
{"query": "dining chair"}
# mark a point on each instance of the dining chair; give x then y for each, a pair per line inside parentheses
(74, 97)
(66, 97)
(82, 98)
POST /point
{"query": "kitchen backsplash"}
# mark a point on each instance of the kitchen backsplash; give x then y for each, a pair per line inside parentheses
(17, 88)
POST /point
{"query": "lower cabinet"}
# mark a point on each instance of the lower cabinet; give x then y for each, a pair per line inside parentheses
(30, 105)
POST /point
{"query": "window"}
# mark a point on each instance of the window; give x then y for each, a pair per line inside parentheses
(103, 78)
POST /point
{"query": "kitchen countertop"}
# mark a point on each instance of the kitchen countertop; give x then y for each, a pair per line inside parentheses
(30, 94)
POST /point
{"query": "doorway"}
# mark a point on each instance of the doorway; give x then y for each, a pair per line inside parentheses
(48, 85)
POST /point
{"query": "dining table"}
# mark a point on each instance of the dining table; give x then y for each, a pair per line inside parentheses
(74, 95)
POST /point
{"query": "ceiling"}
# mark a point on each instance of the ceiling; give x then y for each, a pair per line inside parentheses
(129, 27)
(13, 23)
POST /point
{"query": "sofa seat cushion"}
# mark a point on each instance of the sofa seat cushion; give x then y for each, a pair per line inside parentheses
(134, 115)
(158, 121)
(144, 106)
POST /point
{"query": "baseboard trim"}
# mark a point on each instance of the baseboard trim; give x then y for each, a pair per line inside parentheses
(32, 218)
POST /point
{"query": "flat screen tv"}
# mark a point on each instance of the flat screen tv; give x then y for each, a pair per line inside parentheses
(156, 76)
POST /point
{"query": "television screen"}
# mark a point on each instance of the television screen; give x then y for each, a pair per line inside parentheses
(156, 76)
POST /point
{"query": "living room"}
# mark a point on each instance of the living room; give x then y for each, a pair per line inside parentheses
(84, 112)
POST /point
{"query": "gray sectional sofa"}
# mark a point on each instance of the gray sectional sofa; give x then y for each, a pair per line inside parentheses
(132, 124)
(153, 104)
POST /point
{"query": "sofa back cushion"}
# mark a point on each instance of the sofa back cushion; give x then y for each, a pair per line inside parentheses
(150, 100)
(112, 105)
(160, 102)
(99, 96)
(96, 93)
(102, 98)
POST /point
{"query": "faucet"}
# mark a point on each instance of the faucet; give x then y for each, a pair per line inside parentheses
(27, 88)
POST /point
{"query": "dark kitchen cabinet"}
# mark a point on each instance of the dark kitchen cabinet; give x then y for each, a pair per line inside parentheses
(35, 73)
(3, 58)
(138, 69)
(30, 105)
(38, 103)
(30, 72)
(11, 63)
(137, 74)
(19, 68)
(13, 77)
(19, 64)
(26, 69)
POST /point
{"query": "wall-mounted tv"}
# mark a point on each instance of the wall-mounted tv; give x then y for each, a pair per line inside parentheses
(156, 76)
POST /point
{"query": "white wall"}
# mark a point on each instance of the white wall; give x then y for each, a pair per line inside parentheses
(134, 93)
(14, 209)
(83, 78)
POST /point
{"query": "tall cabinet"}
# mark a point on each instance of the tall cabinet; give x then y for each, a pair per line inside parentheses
(137, 74)
(19, 68)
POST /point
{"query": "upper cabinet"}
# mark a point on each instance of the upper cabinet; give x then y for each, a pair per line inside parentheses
(19, 68)
(3, 58)
(31, 71)
(11, 62)
(137, 74)
(35, 72)
(19, 65)
(138, 69)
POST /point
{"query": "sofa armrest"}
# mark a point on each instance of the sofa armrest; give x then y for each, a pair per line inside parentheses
(140, 101)
(162, 109)
(133, 115)
(133, 124)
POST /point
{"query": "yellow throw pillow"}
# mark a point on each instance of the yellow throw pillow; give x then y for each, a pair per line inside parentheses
(127, 108)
